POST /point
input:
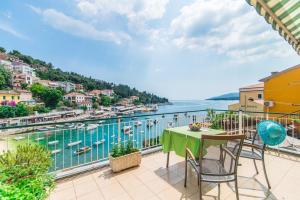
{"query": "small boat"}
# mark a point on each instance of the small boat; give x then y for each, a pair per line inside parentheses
(68, 125)
(39, 138)
(53, 142)
(82, 150)
(18, 138)
(74, 143)
(50, 128)
(59, 126)
(100, 122)
(138, 123)
(91, 127)
(56, 151)
(99, 142)
(80, 125)
(150, 123)
(42, 129)
(127, 129)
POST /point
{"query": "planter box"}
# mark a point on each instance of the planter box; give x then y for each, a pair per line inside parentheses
(125, 162)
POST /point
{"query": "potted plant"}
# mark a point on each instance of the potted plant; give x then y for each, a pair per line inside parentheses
(124, 157)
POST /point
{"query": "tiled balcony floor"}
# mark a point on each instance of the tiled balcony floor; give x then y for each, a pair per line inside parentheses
(153, 181)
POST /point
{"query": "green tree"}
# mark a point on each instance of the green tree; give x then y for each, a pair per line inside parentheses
(2, 50)
(21, 110)
(95, 106)
(51, 97)
(24, 86)
(105, 101)
(5, 78)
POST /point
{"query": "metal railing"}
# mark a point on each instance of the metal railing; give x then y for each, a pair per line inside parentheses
(84, 142)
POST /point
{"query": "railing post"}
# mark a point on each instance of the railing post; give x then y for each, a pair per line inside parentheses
(119, 130)
(240, 122)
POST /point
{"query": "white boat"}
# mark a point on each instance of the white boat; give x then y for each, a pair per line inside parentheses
(39, 138)
(101, 122)
(18, 138)
(82, 150)
(50, 128)
(138, 123)
(80, 125)
(127, 129)
(53, 142)
(59, 126)
(91, 127)
(42, 129)
(74, 143)
(99, 142)
(150, 123)
(56, 151)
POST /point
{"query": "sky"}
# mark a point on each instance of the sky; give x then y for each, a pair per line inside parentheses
(182, 50)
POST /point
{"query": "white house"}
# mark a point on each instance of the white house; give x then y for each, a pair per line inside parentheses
(75, 97)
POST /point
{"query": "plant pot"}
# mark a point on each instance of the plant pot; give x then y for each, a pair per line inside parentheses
(124, 162)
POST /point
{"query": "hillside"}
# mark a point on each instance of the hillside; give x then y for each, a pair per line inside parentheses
(228, 96)
(47, 71)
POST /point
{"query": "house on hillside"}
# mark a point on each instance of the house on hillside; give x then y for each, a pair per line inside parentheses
(95, 93)
(107, 92)
(251, 99)
(9, 97)
(75, 97)
(6, 64)
(79, 87)
(22, 74)
(281, 91)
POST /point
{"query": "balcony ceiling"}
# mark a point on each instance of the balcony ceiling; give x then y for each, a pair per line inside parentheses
(284, 16)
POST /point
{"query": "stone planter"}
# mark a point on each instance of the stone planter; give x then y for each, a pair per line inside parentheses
(124, 162)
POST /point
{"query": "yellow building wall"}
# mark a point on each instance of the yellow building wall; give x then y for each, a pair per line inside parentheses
(10, 97)
(284, 91)
(245, 95)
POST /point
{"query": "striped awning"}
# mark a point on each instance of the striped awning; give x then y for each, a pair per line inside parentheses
(284, 16)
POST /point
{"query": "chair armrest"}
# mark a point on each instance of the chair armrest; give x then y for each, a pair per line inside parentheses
(189, 154)
(252, 146)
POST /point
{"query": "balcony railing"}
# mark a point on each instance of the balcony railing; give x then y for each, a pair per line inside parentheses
(84, 142)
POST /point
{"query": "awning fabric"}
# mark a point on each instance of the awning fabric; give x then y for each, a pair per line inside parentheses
(284, 16)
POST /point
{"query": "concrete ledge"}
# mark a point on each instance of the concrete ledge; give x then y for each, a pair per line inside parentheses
(93, 166)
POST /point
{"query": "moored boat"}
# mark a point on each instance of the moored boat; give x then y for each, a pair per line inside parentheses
(53, 142)
(138, 123)
(82, 150)
(74, 143)
(99, 142)
(56, 151)
(91, 127)
(127, 129)
(39, 138)
(18, 138)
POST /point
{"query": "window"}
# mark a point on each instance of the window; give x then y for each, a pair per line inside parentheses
(12, 97)
(4, 97)
(259, 96)
(18, 97)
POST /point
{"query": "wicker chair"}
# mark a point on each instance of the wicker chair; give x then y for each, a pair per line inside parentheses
(217, 163)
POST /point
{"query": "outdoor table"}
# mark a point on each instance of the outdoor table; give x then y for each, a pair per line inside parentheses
(177, 139)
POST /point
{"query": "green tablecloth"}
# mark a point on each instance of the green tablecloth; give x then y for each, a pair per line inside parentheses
(177, 139)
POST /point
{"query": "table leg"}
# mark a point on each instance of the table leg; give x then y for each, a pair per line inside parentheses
(168, 158)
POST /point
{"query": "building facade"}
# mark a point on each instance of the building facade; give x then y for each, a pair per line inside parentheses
(9, 97)
(282, 91)
(251, 99)
(75, 97)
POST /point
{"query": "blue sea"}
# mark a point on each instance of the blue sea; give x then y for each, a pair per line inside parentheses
(143, 136)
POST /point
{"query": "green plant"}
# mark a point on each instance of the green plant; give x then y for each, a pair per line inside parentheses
(24, 173)
(121, 150)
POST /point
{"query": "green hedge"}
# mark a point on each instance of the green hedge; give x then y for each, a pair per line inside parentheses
(24, 173)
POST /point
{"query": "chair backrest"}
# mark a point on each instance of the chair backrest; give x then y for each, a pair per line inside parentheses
(220, 149)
